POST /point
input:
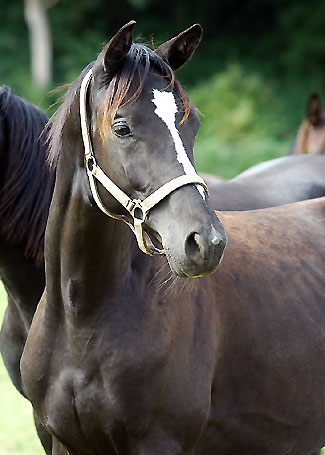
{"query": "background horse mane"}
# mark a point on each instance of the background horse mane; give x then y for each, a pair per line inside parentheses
(130, 75)
(26, 183)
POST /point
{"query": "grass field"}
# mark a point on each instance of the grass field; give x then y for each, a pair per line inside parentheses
(17, 432)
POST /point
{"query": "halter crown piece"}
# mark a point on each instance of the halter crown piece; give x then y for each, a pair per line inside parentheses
(137, 208)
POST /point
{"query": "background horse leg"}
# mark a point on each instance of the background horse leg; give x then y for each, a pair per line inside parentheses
(45, 436)
(12, 341)
(59, 449)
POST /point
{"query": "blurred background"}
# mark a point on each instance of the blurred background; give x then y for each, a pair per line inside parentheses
(250, 78)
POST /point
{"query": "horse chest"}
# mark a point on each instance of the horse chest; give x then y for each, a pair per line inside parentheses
(92, 407)
(123, 380)
(109, 379)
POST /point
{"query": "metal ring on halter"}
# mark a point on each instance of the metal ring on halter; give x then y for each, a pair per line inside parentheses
(90, 163)
(137, 208)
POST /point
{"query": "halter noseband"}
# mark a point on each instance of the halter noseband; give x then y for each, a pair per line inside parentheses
(137, 208)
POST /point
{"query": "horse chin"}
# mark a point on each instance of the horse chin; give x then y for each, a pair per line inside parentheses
(186, 270)
(174, 266)
(179, 261)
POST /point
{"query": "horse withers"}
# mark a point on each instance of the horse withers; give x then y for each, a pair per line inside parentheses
(114, 365)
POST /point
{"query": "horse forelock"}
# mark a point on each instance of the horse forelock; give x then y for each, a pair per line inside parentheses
(124, 87)
(27, 184)
(57, 121)
(127, 84)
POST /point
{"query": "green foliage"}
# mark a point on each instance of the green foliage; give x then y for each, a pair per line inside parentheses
(250, 77)
(140, 4)
(14, 50)
(232, 103)
(303, 26)
(241, 124)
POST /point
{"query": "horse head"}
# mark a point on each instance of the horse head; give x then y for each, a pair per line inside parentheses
(314, 109)
(139, 130)
(311, 134)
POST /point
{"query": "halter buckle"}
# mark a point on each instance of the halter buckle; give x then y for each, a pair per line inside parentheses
(90, 163)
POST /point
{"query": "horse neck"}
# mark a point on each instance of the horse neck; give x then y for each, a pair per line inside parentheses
(316, 140)
(89, 251)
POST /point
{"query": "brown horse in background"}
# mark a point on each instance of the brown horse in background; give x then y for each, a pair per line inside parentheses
(311, 134)
(232, 363)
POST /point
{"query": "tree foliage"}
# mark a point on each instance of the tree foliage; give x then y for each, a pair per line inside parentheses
(280, 36)
(251, 75)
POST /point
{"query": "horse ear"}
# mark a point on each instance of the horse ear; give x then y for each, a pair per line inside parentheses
(314, 108)
(179, 49)
(116, 49)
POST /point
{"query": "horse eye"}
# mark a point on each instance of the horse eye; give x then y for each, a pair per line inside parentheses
(121, 129)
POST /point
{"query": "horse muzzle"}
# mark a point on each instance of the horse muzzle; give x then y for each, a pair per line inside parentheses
(192, 236)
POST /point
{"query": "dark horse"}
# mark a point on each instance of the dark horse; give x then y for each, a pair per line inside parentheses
(26, 186)
(23, 156)
(231, 364)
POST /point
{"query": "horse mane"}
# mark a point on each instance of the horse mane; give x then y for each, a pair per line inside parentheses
(28, 184)
(130, 76)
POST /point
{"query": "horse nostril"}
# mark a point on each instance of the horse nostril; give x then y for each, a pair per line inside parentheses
(200, 248)
(192, 247)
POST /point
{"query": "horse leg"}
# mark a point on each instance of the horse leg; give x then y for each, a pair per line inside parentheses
(12, 341)
(59, 449)
(44, 436)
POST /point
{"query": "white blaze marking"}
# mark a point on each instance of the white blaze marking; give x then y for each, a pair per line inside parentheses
(166, 109)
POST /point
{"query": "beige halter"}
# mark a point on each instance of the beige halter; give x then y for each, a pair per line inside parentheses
(137, 208)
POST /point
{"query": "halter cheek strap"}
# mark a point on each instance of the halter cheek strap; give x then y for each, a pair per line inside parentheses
(137, 208)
